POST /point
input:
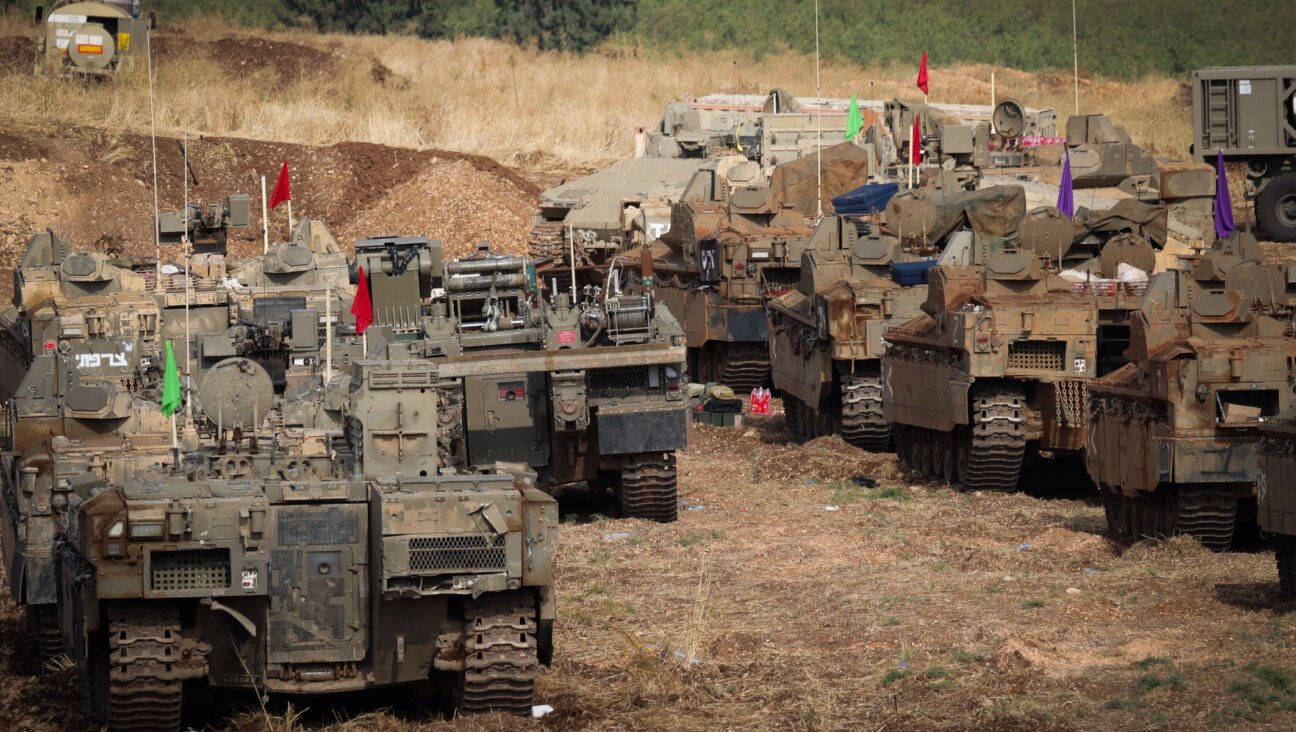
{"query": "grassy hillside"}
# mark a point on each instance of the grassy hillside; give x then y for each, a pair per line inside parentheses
(1117, 38)
(545, 111)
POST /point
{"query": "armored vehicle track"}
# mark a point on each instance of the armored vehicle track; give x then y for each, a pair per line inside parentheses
(648, 487)
(1285, 549)
(144, 680)
(992, 458)
(1201, 512)
(501, 661)
(745, 366)
(44, 625)
(546, 241)
(863, 423)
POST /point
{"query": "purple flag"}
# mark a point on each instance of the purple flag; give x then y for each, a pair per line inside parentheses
(1066, 196)
(1223, 206)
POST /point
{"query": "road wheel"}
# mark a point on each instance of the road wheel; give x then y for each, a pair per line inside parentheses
(1276, 208)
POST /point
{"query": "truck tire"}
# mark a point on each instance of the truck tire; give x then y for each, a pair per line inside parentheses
(1276, 208)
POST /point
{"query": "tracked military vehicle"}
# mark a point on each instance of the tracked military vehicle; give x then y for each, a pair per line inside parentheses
(629, 204)
(1173, 444)
(94, 38)
(997, 366)
(857, 279)
(1276, 493)
(85, 340)
(582, 383)
(294, 536)
(731, 245)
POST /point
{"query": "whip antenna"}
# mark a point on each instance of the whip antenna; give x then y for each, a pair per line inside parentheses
(818, 122)
(157, 235)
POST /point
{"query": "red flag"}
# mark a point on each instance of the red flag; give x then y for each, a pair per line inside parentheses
(281, 192)
(922, 74)
(916, 152)
(362, 306)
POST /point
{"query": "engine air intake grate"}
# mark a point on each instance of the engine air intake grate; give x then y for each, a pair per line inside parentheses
(444, 554)
(1037, 355)
(191, 569)
(619, 379)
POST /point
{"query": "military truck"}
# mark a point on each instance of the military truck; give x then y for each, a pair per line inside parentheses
(995, 369)
(96, 38)
(1173, 444)
(857, 279)
(1276, 495)
(1249, 113)
(582, 383)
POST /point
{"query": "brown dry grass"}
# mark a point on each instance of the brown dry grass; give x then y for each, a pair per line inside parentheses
(911, 607)
(541, 111)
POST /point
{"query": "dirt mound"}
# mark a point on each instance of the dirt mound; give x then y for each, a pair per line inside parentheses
(17, 54)
(240, 55)
(85, 182)
(458, 204)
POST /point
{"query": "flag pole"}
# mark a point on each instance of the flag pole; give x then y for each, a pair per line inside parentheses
(992, 101)
(265, 219)
(1075, 54)
(290, 219)
(328, 335)
(911, 151)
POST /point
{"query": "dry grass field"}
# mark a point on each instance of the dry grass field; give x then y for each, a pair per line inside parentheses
(541, 111)
(788, 596)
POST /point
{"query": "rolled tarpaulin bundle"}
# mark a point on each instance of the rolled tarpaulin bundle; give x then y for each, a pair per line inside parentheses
(865, 200)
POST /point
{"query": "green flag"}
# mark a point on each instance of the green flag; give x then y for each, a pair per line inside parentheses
(854, 120)
(170, 384)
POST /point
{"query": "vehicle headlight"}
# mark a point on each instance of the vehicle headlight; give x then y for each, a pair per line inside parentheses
(150, 530)
(117, 530)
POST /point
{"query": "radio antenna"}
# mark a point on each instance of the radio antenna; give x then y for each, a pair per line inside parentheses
(157, 235)
(818, 122)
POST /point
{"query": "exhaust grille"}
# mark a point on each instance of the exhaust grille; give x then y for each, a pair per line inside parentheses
(192, 569)
(1037, 355)
(444, 554)
(619, 379)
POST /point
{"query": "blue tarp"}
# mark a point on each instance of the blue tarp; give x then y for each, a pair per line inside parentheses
(867, 199)
(912, 273)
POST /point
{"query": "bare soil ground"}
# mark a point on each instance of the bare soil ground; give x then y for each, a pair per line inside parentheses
(789, 597)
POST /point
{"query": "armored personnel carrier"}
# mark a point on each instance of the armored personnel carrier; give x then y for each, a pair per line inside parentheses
(92, 38)
(730, 246)
(86, 337)
(1172, 435)
(857, 279)
(295, 536)
(1277, 496)
(996, 367)
(582, 383)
